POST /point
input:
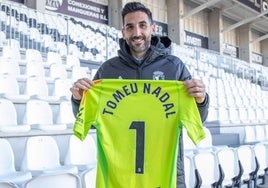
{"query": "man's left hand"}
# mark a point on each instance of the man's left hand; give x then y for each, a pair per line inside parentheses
(197, 89)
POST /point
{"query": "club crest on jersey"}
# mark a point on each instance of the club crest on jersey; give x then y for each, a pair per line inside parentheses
(158, 75)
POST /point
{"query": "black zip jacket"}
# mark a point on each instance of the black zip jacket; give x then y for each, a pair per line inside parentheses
(158, 63)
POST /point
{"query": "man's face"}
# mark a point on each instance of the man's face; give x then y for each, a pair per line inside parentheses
(137, 32)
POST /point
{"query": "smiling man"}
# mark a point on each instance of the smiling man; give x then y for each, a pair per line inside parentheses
(143, 55)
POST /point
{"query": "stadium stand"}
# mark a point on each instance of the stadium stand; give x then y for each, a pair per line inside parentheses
(42, 54)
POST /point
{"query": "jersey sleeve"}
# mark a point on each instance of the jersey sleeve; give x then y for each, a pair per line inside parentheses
(88, 110)
(190, 117)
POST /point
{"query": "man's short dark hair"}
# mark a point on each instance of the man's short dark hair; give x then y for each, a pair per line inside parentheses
(134, 7)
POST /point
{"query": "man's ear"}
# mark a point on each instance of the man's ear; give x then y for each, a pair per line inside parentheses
(153, 29)
(123, 33)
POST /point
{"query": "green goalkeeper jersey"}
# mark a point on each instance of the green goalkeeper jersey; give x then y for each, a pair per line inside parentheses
(138, 123)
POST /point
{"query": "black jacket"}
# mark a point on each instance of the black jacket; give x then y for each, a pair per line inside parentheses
(158, 63)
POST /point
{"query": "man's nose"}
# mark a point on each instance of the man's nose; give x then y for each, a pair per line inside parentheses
(137, 31)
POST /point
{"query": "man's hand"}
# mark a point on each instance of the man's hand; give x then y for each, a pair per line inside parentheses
(79, 86)
(196, 88)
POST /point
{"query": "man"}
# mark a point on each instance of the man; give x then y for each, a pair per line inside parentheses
(143, 55)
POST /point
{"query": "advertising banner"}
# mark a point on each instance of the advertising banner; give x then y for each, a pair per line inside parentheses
(84, 9)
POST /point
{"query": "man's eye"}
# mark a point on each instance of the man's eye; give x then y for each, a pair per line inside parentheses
(129, 27)
(143, 25)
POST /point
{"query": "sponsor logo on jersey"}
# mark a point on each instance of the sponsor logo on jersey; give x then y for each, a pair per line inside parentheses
(79, 114)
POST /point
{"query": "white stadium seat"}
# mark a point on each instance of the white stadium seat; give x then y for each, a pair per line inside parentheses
(66, 180)
(66, 115)
(60, 47)
(79, 72)
(11, 52)
(72, 60)
(73, 51)
(260, 133)
(9, 67)
(42, 156)
(261, 154)
(246, 158)
(81, 153)
(207, 166)
(62, 88)
(8, 185)
(9, 88)
(189, 171)
(58, 70)
(53, 57)
(32, 55)
(229, 163)
(250, 134)
(8, 120)
(8, 172)
(37, 88)
(35, 69)
(39, 115)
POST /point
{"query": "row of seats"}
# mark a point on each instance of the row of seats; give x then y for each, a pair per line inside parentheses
(246, 165)
(47, 32)
(12, 53)
(41, 163)
(225, 106)
(55, 71)
(258, 133)
(33, 63)
(234, 100)
(224, 166)
(34, 87)
(37, 114)
(238, 116)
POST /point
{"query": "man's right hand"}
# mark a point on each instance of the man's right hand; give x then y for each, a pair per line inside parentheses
(79, 86)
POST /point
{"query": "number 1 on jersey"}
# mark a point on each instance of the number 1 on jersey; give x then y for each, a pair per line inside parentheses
(139, 126)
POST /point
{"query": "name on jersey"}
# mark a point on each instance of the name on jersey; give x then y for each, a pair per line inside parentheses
(133, 88)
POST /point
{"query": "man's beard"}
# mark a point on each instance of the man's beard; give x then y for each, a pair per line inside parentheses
(139, 49)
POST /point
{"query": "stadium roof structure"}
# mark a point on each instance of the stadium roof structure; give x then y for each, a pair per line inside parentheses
(253, 12)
